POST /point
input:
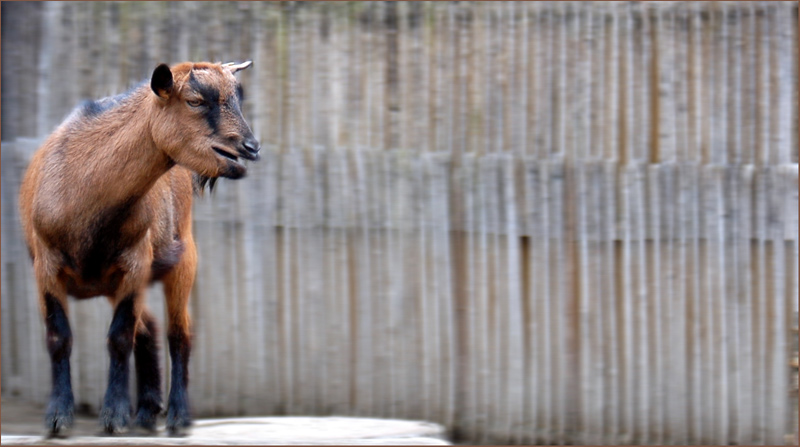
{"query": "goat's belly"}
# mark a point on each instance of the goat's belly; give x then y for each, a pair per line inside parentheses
(79, 285)
(94, 282)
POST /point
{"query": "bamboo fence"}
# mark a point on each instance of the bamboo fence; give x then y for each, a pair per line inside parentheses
(532, 222)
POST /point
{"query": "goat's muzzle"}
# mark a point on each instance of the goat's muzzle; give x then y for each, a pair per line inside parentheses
(250, 148)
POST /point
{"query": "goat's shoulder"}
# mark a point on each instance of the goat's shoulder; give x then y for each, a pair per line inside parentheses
(90, 109)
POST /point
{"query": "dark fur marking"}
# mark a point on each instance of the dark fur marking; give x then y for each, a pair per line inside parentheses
(179, 347)
(93, 109)
(148, 374)
(68, 261)
(120, 334)
(212, 118)
(234, 105)
(234, 172)
(115, 414)
(211, 98)
(166, 260)
(209, 93)
(235, 102)
(107, 243)
(178, 408)
(199, 183)
(60, 409)
(59, 340)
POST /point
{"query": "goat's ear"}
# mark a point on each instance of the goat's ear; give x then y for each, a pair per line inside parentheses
(236, 67)
(161, 82)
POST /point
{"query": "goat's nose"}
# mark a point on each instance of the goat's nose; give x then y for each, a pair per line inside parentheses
(252, 145)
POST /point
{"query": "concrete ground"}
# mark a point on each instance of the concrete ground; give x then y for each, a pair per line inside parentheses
(21, 424)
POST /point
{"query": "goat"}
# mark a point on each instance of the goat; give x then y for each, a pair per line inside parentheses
(106, 205)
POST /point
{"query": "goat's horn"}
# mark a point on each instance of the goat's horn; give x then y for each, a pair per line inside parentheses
(236, 67)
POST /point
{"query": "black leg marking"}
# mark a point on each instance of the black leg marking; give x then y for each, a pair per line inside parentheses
(60, 410)
(148, 375)
(116, 412)
(178, 418)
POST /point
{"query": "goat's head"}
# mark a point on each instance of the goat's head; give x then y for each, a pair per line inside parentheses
(199, 122)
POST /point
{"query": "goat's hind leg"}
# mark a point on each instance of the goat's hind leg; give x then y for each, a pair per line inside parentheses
(148, 373)
(59, 415)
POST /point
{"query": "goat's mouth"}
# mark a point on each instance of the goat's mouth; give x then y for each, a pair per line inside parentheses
(226, 154)
(243, 153)
(234, 168)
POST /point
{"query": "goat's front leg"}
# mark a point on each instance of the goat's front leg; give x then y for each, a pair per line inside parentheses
(116, 412)
(59, 415)
(128, 305)
(60, 410)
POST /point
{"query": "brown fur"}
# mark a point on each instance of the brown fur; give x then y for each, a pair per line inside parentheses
(106, 201)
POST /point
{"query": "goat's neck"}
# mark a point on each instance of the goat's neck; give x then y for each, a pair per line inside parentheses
(129, 163)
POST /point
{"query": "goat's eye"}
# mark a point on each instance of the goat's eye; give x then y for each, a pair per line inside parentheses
(195, 102)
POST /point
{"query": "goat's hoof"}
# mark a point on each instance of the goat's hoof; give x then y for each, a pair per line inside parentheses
(178, 432)
(146, 420)
(59, 417)
(115, 419)
(178, 423)
(58, 425)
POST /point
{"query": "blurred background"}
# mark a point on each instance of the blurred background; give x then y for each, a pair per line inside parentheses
(533, 222)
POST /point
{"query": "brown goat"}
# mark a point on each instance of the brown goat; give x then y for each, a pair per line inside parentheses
(106, 209)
